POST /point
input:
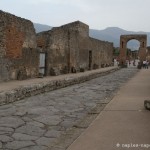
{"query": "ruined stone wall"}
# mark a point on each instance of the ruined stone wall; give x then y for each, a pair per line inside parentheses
(73, 51)
(78, 44)
(102, 53)
(68, 37)
(42, 40)
(55, 44)
(78, 27)
(18, 54)
(68, 47)
(58, 56)
(61, 45)
(79, 36)
(84, 49)
(109, 53)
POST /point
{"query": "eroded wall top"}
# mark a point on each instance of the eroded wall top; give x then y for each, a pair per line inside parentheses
(18, 53)
(77, 26)
(16, 33)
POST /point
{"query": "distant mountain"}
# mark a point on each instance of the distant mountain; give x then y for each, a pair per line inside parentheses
(41, 27)
(111, 34)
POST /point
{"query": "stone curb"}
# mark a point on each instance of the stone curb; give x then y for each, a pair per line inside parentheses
(38, 88)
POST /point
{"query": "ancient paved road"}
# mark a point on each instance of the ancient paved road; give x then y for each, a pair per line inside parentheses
(36, 123)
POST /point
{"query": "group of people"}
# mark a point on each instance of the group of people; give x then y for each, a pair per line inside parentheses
(140, 64)
(132, 63)
(145, 64)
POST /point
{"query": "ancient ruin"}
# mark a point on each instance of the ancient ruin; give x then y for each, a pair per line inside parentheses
(18, 53)
(124, 39)
(64, 49)
(70, 49)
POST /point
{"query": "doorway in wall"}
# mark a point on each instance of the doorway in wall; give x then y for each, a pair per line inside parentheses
(90, 60)
(42, 64)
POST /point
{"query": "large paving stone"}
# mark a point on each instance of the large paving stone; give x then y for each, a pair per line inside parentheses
(27, 119)
(6, 129)
(35, 148)
(5, 138)
(45, 141)
(1, 145)
(5, 107)
(39, 110)
(49, 120)
(20, 111)
(7, 112)
(18, 144)
(30, 130)
(5, 133)
(68, 123)
(53, 134)
(35, 123)
(13, 122)
(24, 137)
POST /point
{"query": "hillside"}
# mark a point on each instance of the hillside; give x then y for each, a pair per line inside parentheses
(40, 27)
(111, 34)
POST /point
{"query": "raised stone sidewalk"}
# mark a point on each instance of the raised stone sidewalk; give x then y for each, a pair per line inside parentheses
(17, 90)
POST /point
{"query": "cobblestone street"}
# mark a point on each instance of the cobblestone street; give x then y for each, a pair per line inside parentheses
(51, 121)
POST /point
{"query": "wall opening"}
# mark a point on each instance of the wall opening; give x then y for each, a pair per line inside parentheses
(42, 64)
(133, 49)
(122, 44)
(90, 60)
(143, 44)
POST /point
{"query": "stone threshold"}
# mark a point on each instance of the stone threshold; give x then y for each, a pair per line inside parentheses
(24, 91)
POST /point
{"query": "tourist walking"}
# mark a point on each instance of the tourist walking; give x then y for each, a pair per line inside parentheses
(147, 64)
(144, 64)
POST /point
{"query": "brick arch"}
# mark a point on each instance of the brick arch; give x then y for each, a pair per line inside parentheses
(124, 39)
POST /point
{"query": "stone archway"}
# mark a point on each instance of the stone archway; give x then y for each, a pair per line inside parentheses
(142, 38)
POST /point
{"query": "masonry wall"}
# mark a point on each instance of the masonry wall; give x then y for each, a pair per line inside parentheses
(79, 35)
(18, 53)
(84, 49)
(81, 45)
(61, 45)
(102, 53)
(68, 47)
(56, 49)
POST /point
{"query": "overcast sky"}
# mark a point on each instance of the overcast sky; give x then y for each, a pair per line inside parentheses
(133, 15)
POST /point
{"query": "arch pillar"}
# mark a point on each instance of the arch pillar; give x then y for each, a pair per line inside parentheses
(142, 50)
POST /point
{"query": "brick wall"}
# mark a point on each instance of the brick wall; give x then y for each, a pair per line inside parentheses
(14, 42)
(18, 53)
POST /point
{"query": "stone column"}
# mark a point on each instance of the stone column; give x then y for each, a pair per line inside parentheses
(142, 51)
